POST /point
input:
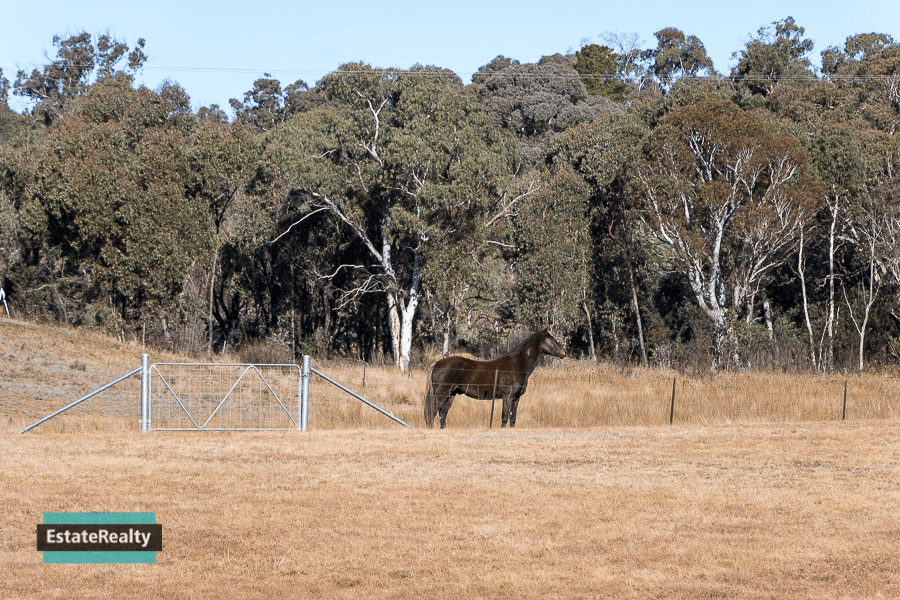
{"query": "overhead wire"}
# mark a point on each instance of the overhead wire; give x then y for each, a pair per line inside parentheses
(434, 70)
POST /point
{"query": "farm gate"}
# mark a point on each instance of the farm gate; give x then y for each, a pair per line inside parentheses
(217, 396)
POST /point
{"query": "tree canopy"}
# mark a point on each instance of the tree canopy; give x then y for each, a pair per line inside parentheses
(646, 206)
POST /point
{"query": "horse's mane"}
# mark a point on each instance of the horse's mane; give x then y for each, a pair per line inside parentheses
(525, 341)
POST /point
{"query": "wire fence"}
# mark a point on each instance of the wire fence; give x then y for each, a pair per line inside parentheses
(605, 396)
(224, 396)
(564, 397)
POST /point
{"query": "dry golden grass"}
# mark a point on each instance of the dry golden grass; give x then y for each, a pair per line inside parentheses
(757, 491)
(571, 395)
(748, 510)
(46, 367)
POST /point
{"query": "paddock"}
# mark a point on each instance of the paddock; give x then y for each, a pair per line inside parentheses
(746, 510)
(760, 487)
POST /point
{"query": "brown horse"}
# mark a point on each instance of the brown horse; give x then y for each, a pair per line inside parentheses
(503, 377)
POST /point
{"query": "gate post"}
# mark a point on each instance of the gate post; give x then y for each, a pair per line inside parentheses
(304, 394)
(145, 393)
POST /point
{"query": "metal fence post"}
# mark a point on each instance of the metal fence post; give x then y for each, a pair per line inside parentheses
(493, 397)
(844, 410)
(672, 410)
(304, 394)
(145, 393)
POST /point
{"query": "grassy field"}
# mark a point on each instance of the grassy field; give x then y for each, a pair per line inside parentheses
(741, 497)
(45, 368)
(747, 511)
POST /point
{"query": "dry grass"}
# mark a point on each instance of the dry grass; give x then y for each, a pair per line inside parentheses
(574, 395)
(755, 492)
(45, 368)
(748, 511)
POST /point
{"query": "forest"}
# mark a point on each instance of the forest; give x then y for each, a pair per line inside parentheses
(650, 209)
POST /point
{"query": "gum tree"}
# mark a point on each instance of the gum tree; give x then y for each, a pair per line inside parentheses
(602, 153)
(78, 64)
(406, 163)
(725, 197)
(779, 53)
(103, 216)
(677, 56)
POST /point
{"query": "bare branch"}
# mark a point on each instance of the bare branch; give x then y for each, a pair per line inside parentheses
(506, 206)
(292, 225)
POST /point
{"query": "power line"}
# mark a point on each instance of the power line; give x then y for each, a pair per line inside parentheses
(521, 72)
(436, 71)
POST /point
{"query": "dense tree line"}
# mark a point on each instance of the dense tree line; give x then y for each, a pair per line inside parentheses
(650, 208)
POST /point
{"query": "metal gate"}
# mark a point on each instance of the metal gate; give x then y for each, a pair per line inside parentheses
(215, 396)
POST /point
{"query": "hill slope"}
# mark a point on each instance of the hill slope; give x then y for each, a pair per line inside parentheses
(44, 367)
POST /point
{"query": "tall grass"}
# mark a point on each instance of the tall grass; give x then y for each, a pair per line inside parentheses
(568, 395)
(45, 368)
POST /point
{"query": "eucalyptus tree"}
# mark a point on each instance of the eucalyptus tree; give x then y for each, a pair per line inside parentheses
(407, 162)
(631, 64)
(10, 250)
(4, 88)
(677, 56)
(890, 195)
(845, 62)
(221, 161)
(10, 124)
(537, 101)
(78, 64)
(603, 154)
(867, 69)
(778, 54)
(879, 73)
(847, 126)
(104, 221)
(267, 104)
(599, 69)
(553, 257)
(839, 159)
(726, 198)
(822, 118)
(870, 229)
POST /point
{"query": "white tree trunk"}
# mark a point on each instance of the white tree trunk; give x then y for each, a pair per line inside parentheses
(402, 316)
(406, 330)
(801, 270)
(870, 294)
(826, 358)
(394, 323)
(637, 315)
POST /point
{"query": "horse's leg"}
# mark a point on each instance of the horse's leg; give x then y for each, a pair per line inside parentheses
(429, 406)
(512, 412)
(446, 403)
(507, 402)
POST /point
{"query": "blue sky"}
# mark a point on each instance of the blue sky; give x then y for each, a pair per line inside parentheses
(215, 50)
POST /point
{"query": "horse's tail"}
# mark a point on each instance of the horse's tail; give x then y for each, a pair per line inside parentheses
(429, 403)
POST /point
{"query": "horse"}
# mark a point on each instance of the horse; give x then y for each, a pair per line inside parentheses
(505, 376)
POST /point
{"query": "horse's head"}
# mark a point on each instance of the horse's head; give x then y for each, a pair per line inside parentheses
(550, 346)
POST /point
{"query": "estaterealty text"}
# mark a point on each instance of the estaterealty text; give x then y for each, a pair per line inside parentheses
(99, 537)
(103, 536)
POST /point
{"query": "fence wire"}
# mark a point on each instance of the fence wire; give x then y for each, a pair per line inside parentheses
(561, 397)
(224, 396)
(230, 397)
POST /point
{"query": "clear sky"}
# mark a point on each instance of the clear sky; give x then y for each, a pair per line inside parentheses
(215, 50)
